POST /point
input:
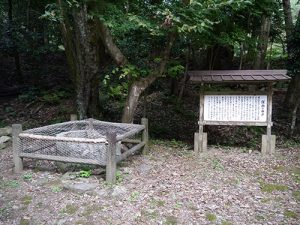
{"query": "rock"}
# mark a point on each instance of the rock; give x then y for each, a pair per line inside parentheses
(61, 221)
(119, 191)
(3, 145)
(5, 131)
(102, 193)
(80, 187)
(98, 171)
(144, 168)
(64, 167)
(69, 176)
(4, 139)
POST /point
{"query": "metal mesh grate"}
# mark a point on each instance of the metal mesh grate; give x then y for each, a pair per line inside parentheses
(81, 141)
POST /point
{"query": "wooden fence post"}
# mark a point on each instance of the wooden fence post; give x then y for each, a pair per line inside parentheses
(73, 117)
(18, 161)
(111, 162)
(145, 135)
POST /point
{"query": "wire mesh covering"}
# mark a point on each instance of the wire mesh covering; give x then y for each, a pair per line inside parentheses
(81, 141)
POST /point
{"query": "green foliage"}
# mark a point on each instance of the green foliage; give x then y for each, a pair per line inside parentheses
(119, 176)
(12, 184)
(133, 196)
(176, 70)
(27, 176)
(85, 173)
(217, 164)
(53, 97)
(29, 95)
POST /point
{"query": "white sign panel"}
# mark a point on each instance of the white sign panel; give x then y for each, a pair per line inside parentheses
(239, 108)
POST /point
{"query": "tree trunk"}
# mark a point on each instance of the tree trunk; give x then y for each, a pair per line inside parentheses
(15, 53)
(263, 43)
(288, 19)
(293, 91)
(139, 86)
(82, 51)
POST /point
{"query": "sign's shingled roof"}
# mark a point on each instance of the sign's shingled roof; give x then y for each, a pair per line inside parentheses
(238, 76)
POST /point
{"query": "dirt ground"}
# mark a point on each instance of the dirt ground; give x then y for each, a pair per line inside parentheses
(168, 186)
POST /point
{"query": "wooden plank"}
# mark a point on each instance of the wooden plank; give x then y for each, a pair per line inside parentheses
(145, 136)
(130, 133)
(66, 139)
(130, 151)
(18, 161)
(111, 163)
(235, 93)
(134, 141)
(236, 123)
(59, 158)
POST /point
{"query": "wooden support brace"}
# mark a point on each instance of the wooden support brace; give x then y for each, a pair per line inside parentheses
(18, 161)
(145, 136)
(111, 162)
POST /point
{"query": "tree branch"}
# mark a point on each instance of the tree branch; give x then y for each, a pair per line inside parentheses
(110, 45)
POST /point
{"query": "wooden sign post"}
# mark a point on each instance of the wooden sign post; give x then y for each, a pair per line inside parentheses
(236, 108)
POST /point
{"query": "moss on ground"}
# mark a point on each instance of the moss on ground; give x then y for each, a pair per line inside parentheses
(290, 214)
(296, 174)
(171, 220)
(24, 222)
(26, 200)
(211, 217)
(90, 209)
(296, 195)
(226, 222)
(70, 209)
(269, 188)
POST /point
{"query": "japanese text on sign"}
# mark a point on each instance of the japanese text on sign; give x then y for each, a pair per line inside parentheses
(240, 108)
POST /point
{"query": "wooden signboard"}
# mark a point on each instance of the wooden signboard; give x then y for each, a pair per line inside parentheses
(235, 108)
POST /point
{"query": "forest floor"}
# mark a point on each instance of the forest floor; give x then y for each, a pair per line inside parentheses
(167, 186)
(227, 185)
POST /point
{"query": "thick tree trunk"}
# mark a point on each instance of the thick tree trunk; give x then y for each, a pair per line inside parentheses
(82, 51)
(293, 91)
(263, 43)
